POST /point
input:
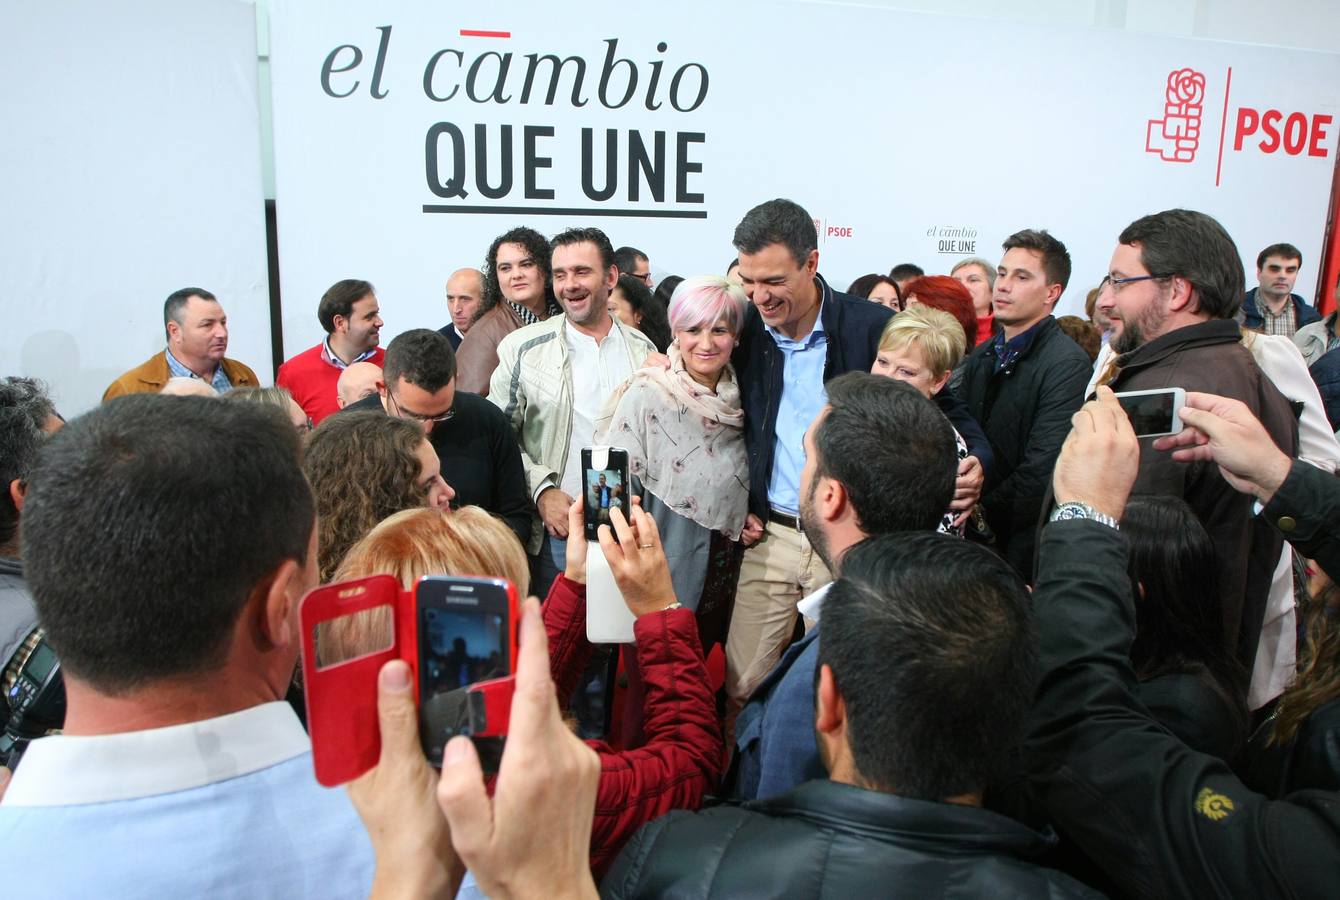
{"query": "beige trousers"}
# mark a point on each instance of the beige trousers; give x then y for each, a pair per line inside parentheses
(776, 573)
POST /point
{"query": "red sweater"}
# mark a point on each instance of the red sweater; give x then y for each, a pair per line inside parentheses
(986, 328)
(682, 757)
(312, 381)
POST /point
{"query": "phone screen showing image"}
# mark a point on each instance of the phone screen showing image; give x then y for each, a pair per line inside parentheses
(605, 490)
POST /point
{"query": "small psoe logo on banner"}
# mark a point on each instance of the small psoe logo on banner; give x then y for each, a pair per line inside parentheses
(1176, 137)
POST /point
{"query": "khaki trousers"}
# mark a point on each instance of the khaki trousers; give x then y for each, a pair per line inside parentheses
(775, 575)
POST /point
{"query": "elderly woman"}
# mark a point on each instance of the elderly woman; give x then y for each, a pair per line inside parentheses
(683, 429)
(921, 346)
(979, 277)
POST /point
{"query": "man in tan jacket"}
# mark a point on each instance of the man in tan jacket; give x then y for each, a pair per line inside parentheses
(197, 338)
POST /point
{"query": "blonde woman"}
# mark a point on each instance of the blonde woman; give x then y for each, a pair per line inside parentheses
(921, 346)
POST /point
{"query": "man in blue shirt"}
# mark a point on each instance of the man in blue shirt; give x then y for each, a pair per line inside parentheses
(799, 334)
(167, 542)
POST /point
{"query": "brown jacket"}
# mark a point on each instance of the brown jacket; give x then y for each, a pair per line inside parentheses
(150, 377)
(477, 356)
(1210, 357)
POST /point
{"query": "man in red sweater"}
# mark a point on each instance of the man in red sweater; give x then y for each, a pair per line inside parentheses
(349, 313)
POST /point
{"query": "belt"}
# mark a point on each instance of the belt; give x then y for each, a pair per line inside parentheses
(783, 519)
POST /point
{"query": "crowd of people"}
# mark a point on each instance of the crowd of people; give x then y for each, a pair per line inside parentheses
(975, 635)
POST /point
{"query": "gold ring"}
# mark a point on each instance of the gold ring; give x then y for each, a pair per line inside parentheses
(645, 546)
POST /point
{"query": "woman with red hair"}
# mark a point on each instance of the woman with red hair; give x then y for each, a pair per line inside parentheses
(948, 295)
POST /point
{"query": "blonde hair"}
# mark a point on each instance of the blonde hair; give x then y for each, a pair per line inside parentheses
(413, 543)
(935, 333)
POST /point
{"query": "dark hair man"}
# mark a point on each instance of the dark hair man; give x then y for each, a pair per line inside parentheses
(926, 670)
(553, 378)
(517, 292)
(632, 261)
(352, 320)
(27, 418)
(1174, 287)
(798, 334)
(197, 339)
(475, 445)
(177, 631)
(879, 458)
(1271, 306)
(903, 273)
(1023, 386)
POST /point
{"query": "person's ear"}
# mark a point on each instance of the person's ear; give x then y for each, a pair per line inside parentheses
(832, 498)
(811, 263)
(941, 382)
(17, 492)
(830, 710)
(279, 603)
(340, 324)
(1182, 295)
(1054, 292)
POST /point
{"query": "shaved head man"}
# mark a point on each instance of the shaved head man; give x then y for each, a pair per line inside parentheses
(357, 382)
(465, 289)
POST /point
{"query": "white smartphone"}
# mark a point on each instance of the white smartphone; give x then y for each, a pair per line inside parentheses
(1154, 413)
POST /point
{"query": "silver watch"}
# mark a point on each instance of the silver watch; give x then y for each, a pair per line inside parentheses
(1075, 510)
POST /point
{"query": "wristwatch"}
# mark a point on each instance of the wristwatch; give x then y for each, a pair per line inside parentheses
(1076, 510)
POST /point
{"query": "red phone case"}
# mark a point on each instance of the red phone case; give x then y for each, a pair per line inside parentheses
(342, 699)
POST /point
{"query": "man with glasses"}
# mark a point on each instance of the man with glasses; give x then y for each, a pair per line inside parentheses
(473, 439)
(1173, 287)
(632, 261)
(1022, 387)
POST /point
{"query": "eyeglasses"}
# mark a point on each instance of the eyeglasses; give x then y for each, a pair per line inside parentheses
(1118, 283)
(419, 417)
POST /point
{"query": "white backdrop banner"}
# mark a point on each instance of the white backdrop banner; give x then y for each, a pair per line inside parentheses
(409, 135)
(132, 167)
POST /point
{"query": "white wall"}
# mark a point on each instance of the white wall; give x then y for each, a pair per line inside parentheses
(131, 167)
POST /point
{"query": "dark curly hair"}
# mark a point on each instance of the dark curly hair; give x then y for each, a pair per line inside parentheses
(362, 467)
(536, 245)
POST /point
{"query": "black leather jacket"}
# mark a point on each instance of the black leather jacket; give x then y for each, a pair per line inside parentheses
(1159, 819)
(826, 839)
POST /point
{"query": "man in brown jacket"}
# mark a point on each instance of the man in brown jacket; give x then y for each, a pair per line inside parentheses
(517, 292)
(197, 338)
(1175, 284)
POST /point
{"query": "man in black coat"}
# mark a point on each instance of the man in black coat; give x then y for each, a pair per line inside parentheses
(909, 738)
(475, 443)
(1159, 819)
(1022, 387)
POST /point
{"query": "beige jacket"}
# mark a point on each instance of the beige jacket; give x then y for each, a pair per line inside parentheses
(532, 385)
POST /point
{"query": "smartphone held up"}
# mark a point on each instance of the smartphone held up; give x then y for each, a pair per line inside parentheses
(459, 637)
(1154, 413)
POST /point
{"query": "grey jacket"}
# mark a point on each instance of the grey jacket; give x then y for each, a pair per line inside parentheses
(1312, 339)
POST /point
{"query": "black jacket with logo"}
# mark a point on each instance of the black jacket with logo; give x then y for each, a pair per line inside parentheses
(1025, 410)
(1159, 819)
(826, 839)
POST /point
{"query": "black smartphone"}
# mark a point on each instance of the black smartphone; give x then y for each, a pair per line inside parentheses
(606, 486)
(466, 633)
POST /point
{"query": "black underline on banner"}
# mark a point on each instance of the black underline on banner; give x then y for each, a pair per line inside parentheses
(567, 211)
